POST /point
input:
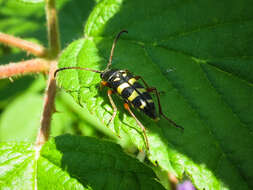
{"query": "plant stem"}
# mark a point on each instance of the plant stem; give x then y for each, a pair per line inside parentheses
(54, 49)
(53, 29)
(48, 106)
(27, 46)
(24, 67)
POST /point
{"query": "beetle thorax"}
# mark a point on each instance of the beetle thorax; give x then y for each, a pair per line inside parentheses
(110, 73)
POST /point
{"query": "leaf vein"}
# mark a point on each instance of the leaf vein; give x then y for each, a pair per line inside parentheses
(228, 106)
(204, 27)
(206, 124)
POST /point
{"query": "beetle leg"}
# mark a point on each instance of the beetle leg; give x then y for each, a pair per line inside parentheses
(102, 84)
(144, 82)
(152, 89)
(109, 93)
(127, 107)
(160, 108)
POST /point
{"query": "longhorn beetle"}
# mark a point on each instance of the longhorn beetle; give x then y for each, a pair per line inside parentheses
(133, 93)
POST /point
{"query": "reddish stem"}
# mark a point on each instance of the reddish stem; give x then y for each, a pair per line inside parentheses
(54, 49)
(27, 46)
(48, 107)
(24, 67)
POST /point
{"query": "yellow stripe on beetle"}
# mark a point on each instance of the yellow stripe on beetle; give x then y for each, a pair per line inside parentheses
(141, 90)
(131, 81)
(116, 79)
(122, 87)
(133, 96)
(143, 104)
(150, 100)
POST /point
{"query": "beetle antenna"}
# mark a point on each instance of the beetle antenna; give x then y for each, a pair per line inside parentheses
(113, 47)
(80, 68)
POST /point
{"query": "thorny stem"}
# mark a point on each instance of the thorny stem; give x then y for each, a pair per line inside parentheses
(24, 67)
(27, 46)
(38, 65)
(54, 49)
(48, 107)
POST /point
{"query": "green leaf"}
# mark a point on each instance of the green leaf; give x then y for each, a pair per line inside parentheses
(32, 1)
(20, 121)
(10, 90)
(72, 162)
(17, 166)
(23, 20)
(67, 108)
(199, 54)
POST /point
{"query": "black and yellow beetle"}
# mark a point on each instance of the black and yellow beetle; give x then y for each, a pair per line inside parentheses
(126, 85)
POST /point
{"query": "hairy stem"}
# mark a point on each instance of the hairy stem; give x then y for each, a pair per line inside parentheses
(48, 107)
(54, 49)
(27, 46)
(53, 28)
(24, 67)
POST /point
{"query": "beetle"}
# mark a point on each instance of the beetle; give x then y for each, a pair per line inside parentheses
(126, 85)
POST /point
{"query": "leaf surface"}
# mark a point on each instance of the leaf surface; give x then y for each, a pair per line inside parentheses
(72, 162)
(20, 121)
(199, 54)
(17, 166)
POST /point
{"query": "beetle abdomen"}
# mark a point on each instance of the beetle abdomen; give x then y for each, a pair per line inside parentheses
(125, 84)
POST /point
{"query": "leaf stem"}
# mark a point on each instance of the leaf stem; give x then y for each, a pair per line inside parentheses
(24, 67)
(27, 46)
